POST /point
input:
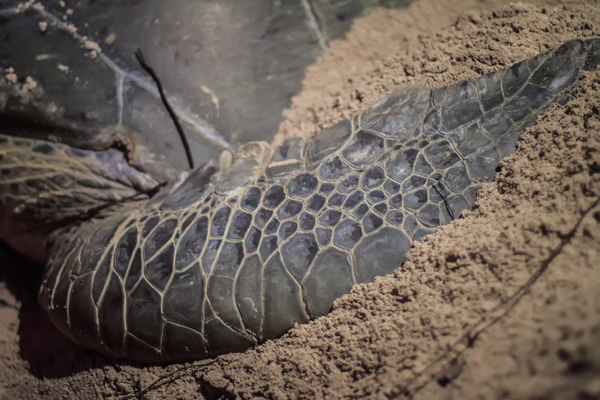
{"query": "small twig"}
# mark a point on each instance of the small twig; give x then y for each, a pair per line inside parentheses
(445, 201)
(168, 378)
(186, 146)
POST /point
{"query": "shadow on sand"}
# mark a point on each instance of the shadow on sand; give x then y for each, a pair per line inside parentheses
(50, 354)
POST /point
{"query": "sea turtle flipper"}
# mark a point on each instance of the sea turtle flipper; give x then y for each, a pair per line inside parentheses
(198, 273)
(44, 185)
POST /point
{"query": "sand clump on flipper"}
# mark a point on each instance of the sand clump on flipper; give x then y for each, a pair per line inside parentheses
(383, 334)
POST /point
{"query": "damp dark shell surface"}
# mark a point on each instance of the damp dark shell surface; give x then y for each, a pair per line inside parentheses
(228, 68)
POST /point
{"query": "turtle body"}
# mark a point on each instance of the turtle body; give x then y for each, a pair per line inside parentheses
(229, 69)
(248, 245)
(253, 242)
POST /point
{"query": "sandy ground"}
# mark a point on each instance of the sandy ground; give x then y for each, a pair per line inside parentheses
(502, 303)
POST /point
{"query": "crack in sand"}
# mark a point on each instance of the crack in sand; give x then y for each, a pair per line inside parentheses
(467, 340)
(169, 378)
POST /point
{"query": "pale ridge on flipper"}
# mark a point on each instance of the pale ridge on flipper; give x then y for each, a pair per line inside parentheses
(249, 245)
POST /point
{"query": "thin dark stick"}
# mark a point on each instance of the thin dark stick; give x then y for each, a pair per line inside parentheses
(170, 378)
(445, 201)
(186, 146)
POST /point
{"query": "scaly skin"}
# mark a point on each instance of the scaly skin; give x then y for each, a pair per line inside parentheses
(247, 246)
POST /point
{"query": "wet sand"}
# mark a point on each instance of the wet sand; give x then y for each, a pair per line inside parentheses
(502, 303)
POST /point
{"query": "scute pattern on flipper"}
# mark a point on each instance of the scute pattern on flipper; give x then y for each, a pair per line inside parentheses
(320, 217)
